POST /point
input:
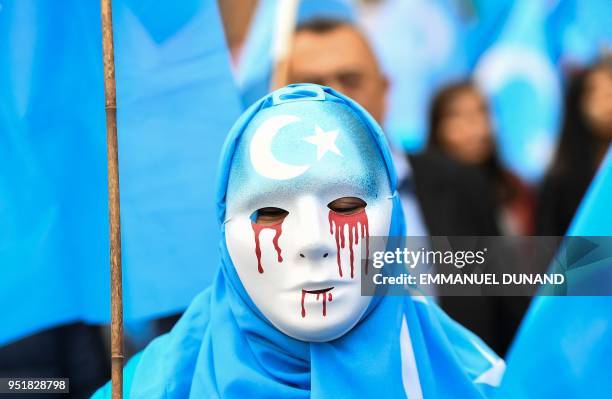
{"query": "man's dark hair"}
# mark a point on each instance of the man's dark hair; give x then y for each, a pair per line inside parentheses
(321, 25)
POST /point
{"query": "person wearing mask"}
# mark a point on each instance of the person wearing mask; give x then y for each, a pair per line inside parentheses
(285, 316)
(585, 138)
(460, 127)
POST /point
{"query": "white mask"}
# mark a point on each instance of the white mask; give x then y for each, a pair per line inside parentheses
(299, 157)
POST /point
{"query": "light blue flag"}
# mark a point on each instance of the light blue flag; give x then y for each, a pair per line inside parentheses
(176, 101)
(582, 30)
(421, 46)
(255, 66)
(520, 77)
(564, 346)
(484, 23)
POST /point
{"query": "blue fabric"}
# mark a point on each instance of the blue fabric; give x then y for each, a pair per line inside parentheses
(580, 29)
(402, 31)
(564, 346)
(176, 100)
(485, 26)
(519, 75)
(224, 347)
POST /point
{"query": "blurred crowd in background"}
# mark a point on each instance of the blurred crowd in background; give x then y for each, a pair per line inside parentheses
(499, 114)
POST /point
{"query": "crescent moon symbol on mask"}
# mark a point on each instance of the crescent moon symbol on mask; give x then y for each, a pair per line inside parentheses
(260, 151)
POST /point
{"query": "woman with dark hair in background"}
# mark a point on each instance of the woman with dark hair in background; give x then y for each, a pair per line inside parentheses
(460, 130)
(585, 137)
(460, 127)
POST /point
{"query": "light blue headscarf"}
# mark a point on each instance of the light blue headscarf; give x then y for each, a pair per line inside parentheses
(224, 347)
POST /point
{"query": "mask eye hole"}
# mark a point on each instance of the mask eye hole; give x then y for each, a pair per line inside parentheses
(347, 205)
(269, 216)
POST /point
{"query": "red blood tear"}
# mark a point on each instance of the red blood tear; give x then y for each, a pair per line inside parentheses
(324, 305)
(357, 226)
(257, 228)
(324, 293)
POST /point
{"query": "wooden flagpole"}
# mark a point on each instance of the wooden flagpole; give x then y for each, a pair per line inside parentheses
(113, 201)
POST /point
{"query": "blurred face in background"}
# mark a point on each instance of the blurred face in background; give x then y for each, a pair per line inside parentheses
(597, 102)
(340, 58)
(464, 130)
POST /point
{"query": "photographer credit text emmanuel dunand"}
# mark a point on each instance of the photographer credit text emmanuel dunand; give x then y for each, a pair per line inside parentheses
(441, 260)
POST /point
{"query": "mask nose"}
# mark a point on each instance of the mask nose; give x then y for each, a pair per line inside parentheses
(315, 240)
(313, 255)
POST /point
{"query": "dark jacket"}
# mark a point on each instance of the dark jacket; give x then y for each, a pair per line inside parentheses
(558, 201)
(75, 351)
(455, 200)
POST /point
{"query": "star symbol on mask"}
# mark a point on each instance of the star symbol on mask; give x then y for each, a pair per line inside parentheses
(325, 141)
